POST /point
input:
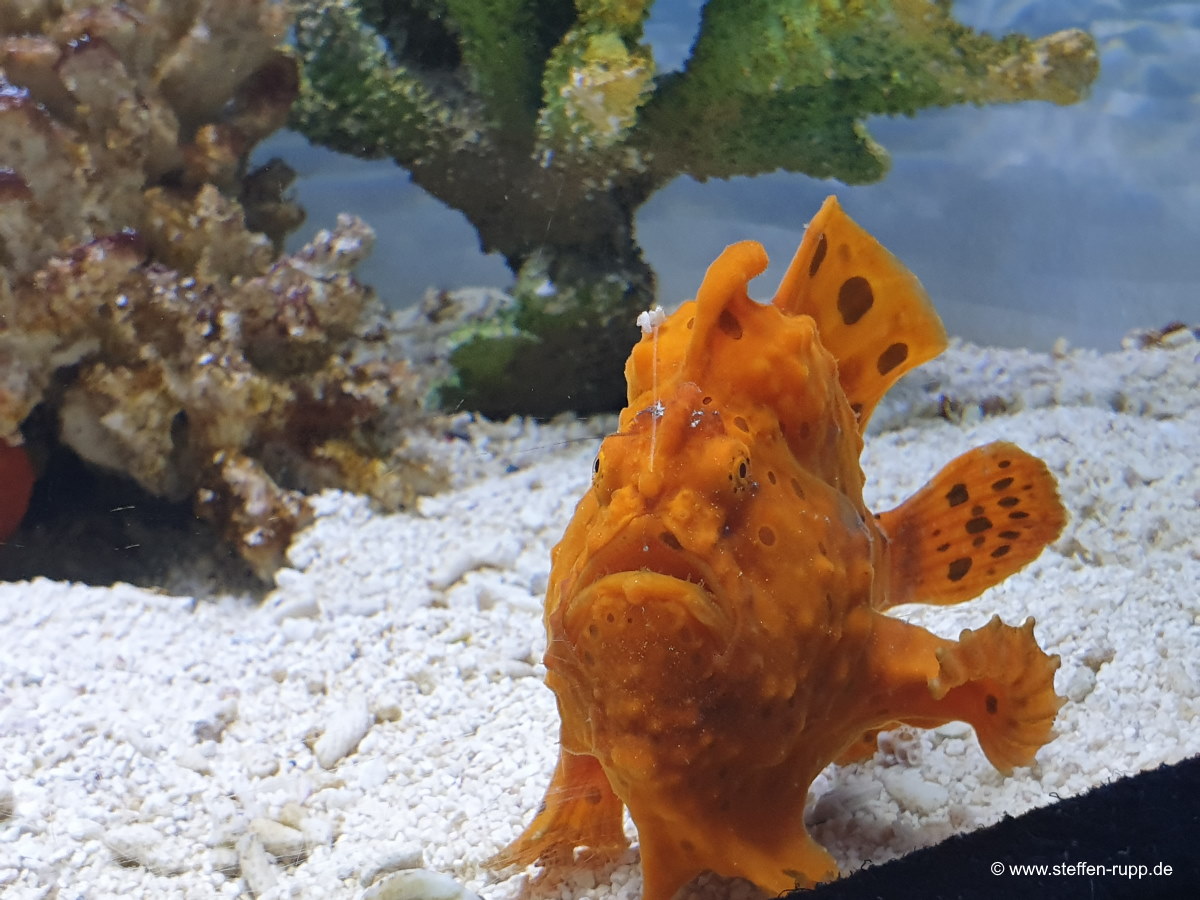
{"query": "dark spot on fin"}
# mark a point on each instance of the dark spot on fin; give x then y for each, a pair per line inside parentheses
(866, 306)
(855, 299)
(818, 255)
(891, 357)
(958, 569)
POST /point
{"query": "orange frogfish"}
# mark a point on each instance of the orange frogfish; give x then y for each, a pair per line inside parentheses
(717, 610)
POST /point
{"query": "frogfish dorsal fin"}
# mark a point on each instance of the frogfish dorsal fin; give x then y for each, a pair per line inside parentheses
(871, 312)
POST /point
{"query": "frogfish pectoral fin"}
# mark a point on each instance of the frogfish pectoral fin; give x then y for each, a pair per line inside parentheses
(580, 811)
(987, 514)
(995, 678)
(1000, 681)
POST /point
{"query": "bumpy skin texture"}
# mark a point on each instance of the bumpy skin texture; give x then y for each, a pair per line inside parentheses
(716, 608)
(547, 124)
(144, 304)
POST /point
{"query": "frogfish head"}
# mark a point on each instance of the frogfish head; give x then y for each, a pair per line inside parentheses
(667, 492)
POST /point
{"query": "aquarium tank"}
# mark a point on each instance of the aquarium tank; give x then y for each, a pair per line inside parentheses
(1110, 151)
(599, 449)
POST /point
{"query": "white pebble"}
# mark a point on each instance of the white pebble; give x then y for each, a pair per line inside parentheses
(283, 842)
(141, 845)
(337, 798)
(255, 865)
(224, 860)
(387, 709)
(954, 729)
(212, 726)
(317, 832)
(500, 552)
(1082, 683)
(371, 774)
(297, 605)
(291, 814)
(192, 758)
(393, 859)
(1178, 679)
(418, 884)
(8, 800)
(912, 792)
(343, 733)
(298, 631)
(260, 761)
(84, 830)
(156, 805)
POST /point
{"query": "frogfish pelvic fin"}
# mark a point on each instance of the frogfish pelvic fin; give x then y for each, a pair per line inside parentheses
(717, 608)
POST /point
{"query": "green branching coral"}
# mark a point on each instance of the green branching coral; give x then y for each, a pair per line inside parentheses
(545, 122)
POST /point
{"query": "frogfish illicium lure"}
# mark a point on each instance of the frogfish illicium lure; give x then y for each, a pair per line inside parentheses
(717, 610)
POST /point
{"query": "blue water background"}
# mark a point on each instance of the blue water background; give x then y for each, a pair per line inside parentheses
(1025, 222)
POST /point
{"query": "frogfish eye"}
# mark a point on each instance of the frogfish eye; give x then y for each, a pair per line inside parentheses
(739, 473)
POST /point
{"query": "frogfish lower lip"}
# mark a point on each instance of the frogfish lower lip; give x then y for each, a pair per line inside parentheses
(677, 603)
(643, 565)
(644, 546)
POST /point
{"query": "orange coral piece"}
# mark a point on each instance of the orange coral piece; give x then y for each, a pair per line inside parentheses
(717, 608)
(16, 487)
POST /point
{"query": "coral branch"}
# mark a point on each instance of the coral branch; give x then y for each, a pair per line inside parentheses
(765, 90)
(553, 178)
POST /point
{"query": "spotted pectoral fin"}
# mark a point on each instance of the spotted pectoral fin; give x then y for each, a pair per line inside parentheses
(986, 515)
(996, 678)
(871, 312)
(999, 680)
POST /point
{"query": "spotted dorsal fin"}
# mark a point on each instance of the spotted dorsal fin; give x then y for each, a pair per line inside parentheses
(871, 312)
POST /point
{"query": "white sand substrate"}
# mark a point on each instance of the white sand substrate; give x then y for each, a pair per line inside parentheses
(383, 709)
